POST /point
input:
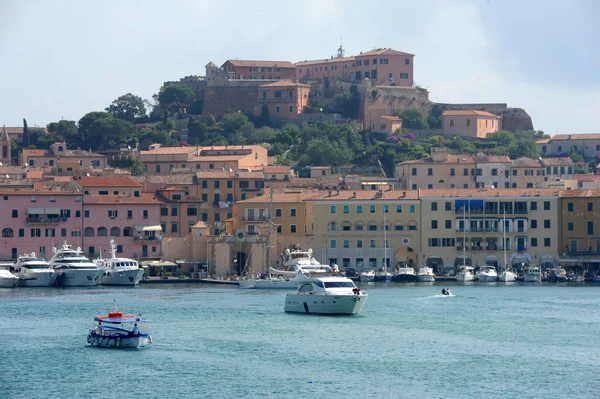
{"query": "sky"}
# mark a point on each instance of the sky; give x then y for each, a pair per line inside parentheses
(62, 59)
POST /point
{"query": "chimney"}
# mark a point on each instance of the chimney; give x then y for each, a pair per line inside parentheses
(354, 194)
(329, 194)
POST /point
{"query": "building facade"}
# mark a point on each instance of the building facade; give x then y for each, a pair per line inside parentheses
(564, 144)
(580, 227)
(282, 100)
(63, 159)
(259, 70)
(386, 124)
(470, 123)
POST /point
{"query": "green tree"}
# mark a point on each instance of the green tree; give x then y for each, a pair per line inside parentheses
(501, 137)
(348, 103)
(176, 97)
(26, 138)
(86, 121)
(523, 148)
(414, 118)
(137, 167)
(128, 107)
(196, 132)
(196, 107)
(110, 134)
(233, 122)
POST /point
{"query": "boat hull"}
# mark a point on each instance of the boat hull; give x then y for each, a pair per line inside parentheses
(426, 278)
(273, 284)
(40, 279)
(125, 277)
(78, 278)
(365, 278)
(324, 304)
(125, 341)
(507, 277)
(465, 278)
(383, 278)
(486, 278)
(404, 278)
(6, 282)
(532, 278)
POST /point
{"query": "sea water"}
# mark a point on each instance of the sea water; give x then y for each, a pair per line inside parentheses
(486, 341)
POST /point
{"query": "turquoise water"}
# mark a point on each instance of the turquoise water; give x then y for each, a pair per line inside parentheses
(489, 341)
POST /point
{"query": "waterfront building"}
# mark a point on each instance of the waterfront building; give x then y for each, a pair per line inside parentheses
(282, 99)
(162, 160)
(579, 211)
(63, 160)
(470, 123)
(467, 226)
(349, 228)
(563, 144)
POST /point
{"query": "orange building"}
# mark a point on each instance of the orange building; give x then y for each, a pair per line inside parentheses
(470, 123)
(259, 70)
(283, 99)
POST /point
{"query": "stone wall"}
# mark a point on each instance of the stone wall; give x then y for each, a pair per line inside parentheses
(220, 100)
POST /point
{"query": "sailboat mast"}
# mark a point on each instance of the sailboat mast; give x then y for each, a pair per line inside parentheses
(270, 233)
(464, 236)
(384, 240)
(504, 238)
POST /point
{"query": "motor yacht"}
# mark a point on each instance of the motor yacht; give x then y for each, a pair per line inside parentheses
(507, 276)
(532, 275)
(7, 279)
(73, 269)
(119, 330)
(487, 274)
(34, 271)
(366, 275)
(425, 275)
(327, 294)
(405, 275)
(119, 271)
(465, 274)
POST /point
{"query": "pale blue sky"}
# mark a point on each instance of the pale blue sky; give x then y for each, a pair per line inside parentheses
(61, 59)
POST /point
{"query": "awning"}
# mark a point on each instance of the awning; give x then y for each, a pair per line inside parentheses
(148, 228)
(36, 211)
(52, 211)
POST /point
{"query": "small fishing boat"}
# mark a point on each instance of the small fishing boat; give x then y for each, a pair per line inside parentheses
(119, 330)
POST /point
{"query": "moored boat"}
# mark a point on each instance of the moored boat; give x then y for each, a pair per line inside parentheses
(405, 275)
(465, 274)
(425, 275)
(366, 275)
(34, 272)
(119, 330)
(532, 275)
(487, 274)
(331, 294)
(119, 271)
(73, 269)
(7, 279)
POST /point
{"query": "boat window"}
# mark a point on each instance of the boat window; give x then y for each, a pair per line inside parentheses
(306, 288)
(338, 284)
(319, 284)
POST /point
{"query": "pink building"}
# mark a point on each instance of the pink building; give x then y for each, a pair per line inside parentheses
(35, 221)
(381, 66)
(133, 222)
(259, 70)
(470, 123)
(386, 124)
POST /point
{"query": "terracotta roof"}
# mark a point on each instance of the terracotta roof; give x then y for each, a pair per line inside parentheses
(230, 147)
(560, 161)
(452, 159)
(35, 175)
(34, 153)
(169, 150)
(482, 158)
(12, 170)
(171, 179)
(64, 179)
(586, 177)
(209, 158)
(351, 195)
(488, 192)
(13, 130)
(109, 181)
(391, 118)
(284, 83)
(277, 169)
(382, 51)
(579, 193)
(467, 112)
(39, 192)
(121, 199)
(303, 182)
(544, 141)
(325, 61)
(279, 198)
(586, 136)
(254, 63)
(525, 162)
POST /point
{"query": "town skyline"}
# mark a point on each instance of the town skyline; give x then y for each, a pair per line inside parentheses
(80, 65)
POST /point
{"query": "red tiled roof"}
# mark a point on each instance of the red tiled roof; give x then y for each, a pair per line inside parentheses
(488, 192)
(584, 136)
(382, 51)
(560, 161)
(110, 181)
(350, 195)
(169, 150)
(579, 193)
(391, 118)
(255, 63)
(209, 158)
(525, 162)
(325, 61)
(284, 83)
(277, 169)
(544, 141)
(452, 159)
(586, 177)
(467, 112)
(34, 153)
(35, 175)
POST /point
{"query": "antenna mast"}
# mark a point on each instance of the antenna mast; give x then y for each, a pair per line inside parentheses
(270, 233)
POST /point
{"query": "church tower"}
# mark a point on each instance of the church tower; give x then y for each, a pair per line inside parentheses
(5, 147)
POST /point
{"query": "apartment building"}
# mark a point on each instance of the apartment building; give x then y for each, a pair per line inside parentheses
(444, 170)
(563, 144)
(381, 66)
(63, 159)
(467, 227)
(259, 70)
(282, 99)
(558, 168)
(579, 211)
(367, 229)
(162, 160)
(470, 123)
(386, 124)
(107, 185)
(526, 173)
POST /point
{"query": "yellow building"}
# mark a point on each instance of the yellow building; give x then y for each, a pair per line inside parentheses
(63, 159)
(580, 227)
(467, 227)
(349, 228)
(526, 173)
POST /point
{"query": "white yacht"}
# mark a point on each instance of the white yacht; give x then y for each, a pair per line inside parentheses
(285, 278)
(119, 271)
(425, 275)
(405, 275)
(465, 274)
(72, 268)
(532, 275)
(366, 275)
(34, 271)
(331, 294)
(507, 276)
(487, 274)
(7, 279)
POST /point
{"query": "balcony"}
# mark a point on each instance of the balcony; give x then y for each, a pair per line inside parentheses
(459, 210)
(147, 238)
(255, 218)
(476, 248)
(48, 220)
